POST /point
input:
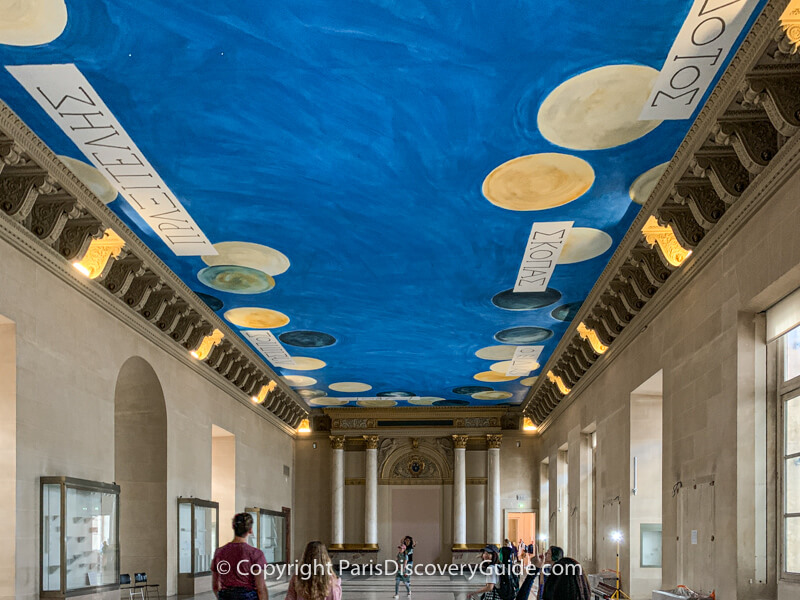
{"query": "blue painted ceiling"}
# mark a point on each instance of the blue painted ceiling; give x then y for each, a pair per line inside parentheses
(354, 137)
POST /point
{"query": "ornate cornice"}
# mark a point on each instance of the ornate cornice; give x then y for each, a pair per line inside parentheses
(427, 420)
(49, 215)
(741, 148)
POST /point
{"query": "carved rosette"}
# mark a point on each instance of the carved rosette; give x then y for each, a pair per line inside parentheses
(337, 442)
(372, 441)
(493, 440)
(460, 441)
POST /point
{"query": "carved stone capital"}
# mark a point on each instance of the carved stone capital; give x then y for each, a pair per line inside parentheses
(493, 440)
(372, 441)
(337, 442)
(460, 441)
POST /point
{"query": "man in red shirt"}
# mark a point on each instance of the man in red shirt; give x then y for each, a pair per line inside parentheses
(238, 569)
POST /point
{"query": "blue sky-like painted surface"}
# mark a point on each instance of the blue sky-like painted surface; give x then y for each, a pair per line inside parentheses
(354, 137)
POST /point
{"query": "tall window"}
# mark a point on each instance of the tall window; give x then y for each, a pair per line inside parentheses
(790, 402)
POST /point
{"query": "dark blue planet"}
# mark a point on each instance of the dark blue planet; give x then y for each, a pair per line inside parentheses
(307, 339)
(523, 335)
(468, 390)
(213, 302)
(566, 312)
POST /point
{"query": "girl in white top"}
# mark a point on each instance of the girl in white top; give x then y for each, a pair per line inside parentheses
(490, 557)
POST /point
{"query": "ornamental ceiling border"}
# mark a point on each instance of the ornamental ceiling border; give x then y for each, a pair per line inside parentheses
(49, 215)
(740, 149)
(362, 420)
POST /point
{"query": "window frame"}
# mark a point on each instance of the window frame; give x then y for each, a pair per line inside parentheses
(787, 390)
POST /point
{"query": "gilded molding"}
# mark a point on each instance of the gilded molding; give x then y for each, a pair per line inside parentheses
(372, 441)
(493, 440)
(96, 260)
(790, 22)
(460, 441)
(337, 442)
(591, 336)
(664, 238)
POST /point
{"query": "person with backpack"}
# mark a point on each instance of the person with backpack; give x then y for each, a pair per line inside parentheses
(508, 581)
(490, 559)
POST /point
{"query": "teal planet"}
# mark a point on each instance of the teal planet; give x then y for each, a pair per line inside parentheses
(523, 335)
(236, 280)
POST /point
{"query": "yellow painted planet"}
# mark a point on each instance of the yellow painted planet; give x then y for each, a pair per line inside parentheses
(31, 22)
(584, 243)
(504, 352)
(350, 386)
(424, 400)
(256, 318)
(529, 381)
(538, 181)
(299, 380)
(250, 255)
(503, 367)
(644, 184)
(306, 363)
(376, 403)
(491, 376)
(91, 177)
(493, 395)
(598, 109)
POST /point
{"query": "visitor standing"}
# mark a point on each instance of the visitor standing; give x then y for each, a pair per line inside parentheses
(237, 570)
(490, 558)
(402, 574)
(316, 579)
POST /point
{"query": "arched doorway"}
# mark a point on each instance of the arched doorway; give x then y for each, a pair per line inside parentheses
(140, 467)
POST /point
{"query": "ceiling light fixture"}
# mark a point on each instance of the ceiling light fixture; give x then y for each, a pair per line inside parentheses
(262, 393)
(304, 427)
(527, 424)
(590, 335)
(100, 252)
(208, 344)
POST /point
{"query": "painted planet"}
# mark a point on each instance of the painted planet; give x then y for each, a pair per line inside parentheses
(299, 380)
(492, 377)
(307, 339)
(236, 280)
(496, 352)
(584, 243)
(468, 390)
(503, 366)
(644, 184)
(350, 386)
(566, 312)
(494, 395)
(529, 381)
(212, 302)
(308, 394)
(523, 335)
(252, 317)
(92, 179)
(451, 403)
(425, 400)
(32, 22)
(306, 363)
(396, 394)
(328, 401)
(246, 254)
(510, 300)
(598, 109)
(538, 181)
(377, 403)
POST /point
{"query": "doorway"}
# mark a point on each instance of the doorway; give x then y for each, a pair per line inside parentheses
(521, 526)
(223, 475)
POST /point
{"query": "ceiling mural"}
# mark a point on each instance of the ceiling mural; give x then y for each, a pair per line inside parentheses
(369, 172)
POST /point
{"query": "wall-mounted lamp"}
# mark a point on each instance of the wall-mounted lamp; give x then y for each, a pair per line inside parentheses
(304, 427)
(100, 252)
(669, 245)
(262, 393)
(591, 336)
(208, 343)
(527, 424)
(559, 383)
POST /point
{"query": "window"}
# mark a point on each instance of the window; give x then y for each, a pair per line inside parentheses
(790, 433)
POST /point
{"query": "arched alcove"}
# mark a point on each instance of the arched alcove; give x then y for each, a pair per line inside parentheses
(8, 456)
(140, 463)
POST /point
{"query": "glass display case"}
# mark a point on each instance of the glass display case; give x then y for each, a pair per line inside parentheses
(197, 535)
(269, 530)
(79, 549)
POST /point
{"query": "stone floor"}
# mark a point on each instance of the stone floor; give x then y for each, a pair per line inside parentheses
(381, 587)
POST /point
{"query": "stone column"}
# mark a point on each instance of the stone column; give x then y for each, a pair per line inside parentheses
(337, 492)
(371, 494)
(460, 492)
(494, 515)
